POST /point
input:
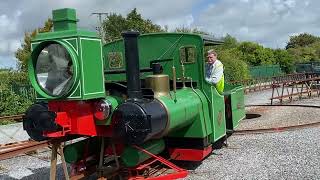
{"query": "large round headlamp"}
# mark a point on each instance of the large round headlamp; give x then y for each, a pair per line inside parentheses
(54, 69)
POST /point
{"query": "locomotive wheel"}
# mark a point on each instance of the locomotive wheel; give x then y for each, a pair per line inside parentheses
(38, 119)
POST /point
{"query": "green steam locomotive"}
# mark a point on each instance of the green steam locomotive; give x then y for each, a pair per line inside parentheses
(143, 90)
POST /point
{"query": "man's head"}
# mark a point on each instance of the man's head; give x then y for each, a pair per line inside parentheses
(212, 56)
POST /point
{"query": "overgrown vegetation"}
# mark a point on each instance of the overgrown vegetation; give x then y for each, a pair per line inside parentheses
(16, 94)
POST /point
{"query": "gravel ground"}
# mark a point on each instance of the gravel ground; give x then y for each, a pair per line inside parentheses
(284, 155)
(261, 97)
(12, 133)
(33, 167)
(309, 101)
(279, 117)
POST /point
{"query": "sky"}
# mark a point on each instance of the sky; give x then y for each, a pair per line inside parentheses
(268, 22)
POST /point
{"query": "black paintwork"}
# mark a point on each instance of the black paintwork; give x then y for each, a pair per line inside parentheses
(137, 121)
(187, 143)
(132, 64)
(39, 119)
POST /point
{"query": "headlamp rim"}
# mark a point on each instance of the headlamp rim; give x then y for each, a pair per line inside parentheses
(33, 75)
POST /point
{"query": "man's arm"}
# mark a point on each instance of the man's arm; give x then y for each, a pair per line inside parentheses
(216, 74)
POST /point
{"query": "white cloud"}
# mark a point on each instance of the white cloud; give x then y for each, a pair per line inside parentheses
(269, 22)
(7, 62)
(14, 45)
(8, 42)
(179, 21)
(17, 18)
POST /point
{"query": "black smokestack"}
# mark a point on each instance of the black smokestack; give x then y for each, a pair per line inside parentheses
(132, 64)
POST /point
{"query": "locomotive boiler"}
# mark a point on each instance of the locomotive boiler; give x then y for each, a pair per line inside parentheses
(142, 90)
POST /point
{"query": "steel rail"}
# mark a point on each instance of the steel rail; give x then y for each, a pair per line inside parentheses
(287, 105)
(14, 117)
(278, 129)
(12, 149)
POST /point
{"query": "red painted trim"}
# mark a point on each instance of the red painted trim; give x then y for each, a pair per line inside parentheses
(178, 172)
(189, 154)
(76, 117)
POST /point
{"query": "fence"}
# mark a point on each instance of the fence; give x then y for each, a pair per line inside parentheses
(265, 71)
(295, 85)
(254, 84)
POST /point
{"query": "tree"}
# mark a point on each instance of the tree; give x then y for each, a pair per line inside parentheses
(114, 24)
(264, 56)
(301, 40)
(190, 30)
(250, 50)
(234, 67)
(23, 53)
(284, 59)
(255, 54)
(230, 42)
(304, 54)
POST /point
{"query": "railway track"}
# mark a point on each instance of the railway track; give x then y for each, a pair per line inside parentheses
(18, 117)
(278, 129)
(13, 149)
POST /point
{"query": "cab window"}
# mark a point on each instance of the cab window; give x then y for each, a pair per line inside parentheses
(188, 54)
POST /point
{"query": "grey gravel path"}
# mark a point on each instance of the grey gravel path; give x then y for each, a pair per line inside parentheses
(29, 167)
(261, 97)
(286, 155)
(12, 133)
(272, 117)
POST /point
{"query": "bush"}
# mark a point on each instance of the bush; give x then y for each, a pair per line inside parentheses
(15, 93)
(234, 67)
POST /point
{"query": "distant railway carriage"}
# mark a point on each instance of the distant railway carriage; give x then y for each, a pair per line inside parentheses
(311, 67)
(146, 90)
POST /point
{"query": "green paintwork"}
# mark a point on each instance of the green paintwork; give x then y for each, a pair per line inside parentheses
(161, 46)
(219, 121)
(180, 109)
(32, 63)
(217, 111)
(92, 68)
(67, 34)
(64, 19)
(188, 115)
(76, 151)
(196, 114)
(237, 106)
(85, 49)
(236, 95)
(132, 156)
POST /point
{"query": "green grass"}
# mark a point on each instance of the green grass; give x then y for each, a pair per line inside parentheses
(7, 121)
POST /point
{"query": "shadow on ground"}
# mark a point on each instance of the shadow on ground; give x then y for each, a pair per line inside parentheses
(40, 173)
